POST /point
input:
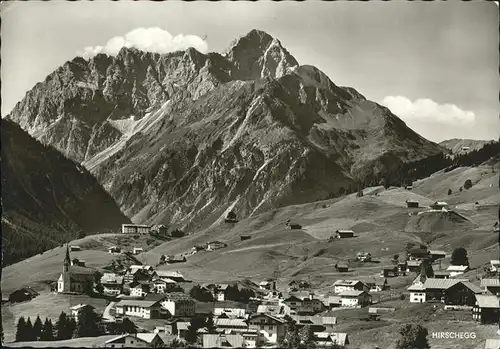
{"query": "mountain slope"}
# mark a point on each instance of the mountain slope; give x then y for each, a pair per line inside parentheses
(184, 137)
(456, 145)
(46, 198)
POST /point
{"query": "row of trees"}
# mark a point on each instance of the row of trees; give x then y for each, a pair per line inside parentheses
(232, 293)
(89, 324)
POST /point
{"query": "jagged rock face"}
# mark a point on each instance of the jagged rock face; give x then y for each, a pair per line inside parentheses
(46, 198)
(185, 137)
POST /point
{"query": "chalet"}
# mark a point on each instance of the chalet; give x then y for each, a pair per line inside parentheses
(343, 234)
(327, 339)
(136, 340)
(450, 291)
(439, 205)
(364, 256)
(412, 204)
(354, 298)
(137, 250)
(271, 329)
(219, 291)
(136, 274)
(417, 293)
(175, 259)
(292, 303)
(230, 324)
(112, 283)
(136, 229)
(390, 271)
(22, 295)
(494, 265)
(160, 285)
(223, 341)
(442, 274)
(75, 310)
(75, 248)
(491, 286)
(342, 268)
(140, 288)
(436, 254)
(311, 304)
(215, 245)
(456, 270)
(376, 285)
(413, 265)
(78, 262)
(114, 250)
(171, 275)
(349, 285)
(245, 237)
(418, 254)
(487, 309)
(317, 323)
(231, 310)
(140, 308)
(179, 304)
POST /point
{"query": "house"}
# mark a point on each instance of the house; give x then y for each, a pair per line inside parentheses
(175, 259)
(342, 267)
(220, 292)
(376, 285)
(317, 323)
(354, 298)
(140, 288)
(112, 283)
(271, 329)
(179, 304)
(245, 237)
(172, 275)
(223, 341)
(411, 203)
(136, 229)
(413, 265)
(327, 339)
(343, 234)
(136, 274)
(75, 248)
(292, 303)
(182, 328)
(436, 254)
(22, 295)
(349, 285)
(140, 308)
(494, 265)
(450, 291)
(267, 285)
(390, 271)
(137, 250)
(271, 309)
(491, 286)
(403, 267)
(75, 310)
(160, 285)
(311, 305)
(334, 301)
(215, 245)
(492, 344)
(439, 205)
(74, 278)
(418, 254)
(294, 226)
(417, 293)
(364, 256)
(78, 262)
(442, 274)
(232, 310)
(455, 270)
(135, 340)
(162, 230)
(114, 250)
(487, 309)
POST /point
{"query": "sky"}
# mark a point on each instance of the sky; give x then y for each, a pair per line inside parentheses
(433, 64)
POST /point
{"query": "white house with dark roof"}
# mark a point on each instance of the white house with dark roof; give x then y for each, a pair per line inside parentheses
(179, 304)
(354, 298)
(230, 310)
(490, 285)
(140, 308)
(135, 340)
(327, 339)
(417, 293)
(271, 328)
(223, 341)
(487, 308)
(349, 285)
(456, 270)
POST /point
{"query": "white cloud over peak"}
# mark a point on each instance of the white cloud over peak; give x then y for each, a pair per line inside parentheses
(426, 110)
(148, 39)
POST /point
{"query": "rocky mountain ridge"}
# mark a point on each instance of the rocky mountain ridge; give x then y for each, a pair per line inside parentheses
(184, 137)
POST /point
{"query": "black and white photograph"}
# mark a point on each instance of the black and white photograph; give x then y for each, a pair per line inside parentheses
(250, 174)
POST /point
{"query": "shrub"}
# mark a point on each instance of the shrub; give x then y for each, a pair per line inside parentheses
(468, 184)
(449, 192)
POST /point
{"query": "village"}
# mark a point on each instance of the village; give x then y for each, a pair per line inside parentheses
(157, 306)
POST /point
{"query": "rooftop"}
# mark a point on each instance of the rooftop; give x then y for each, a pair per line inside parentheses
(145, 337)
(351, 293)
(346, 282)
(488, 301)
(222, 322)
(457, 268)
(137, 303)
(490, 283)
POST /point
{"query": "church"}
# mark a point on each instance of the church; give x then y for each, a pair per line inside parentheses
(74, 278)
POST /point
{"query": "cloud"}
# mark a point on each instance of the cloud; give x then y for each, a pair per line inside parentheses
(147, 39)
(426, 110)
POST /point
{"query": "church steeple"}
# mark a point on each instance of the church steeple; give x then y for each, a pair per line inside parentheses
(67, 260)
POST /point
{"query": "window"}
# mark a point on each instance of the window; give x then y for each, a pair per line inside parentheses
(261, 327)
(270, 327)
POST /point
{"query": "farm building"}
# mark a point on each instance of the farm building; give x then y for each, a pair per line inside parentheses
(75, 248)
(487, 309)
(455, 270)
(451, 291)
(135, 340)
(364, 256)
(418, 253)
(390, 271)
(215, 245)
(439, 205)
(294, 226)
(245, 237)
(412, 204)
(172, 275)
(175, 259)
(136, 229)
(435, 254)
(22, 295)
(413, 265)
(349, 285)
(317, 323)
(343, 234)
(78, 262)
(342, 267)
(114, 249)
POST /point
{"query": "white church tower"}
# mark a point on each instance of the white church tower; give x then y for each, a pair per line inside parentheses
(64, 283)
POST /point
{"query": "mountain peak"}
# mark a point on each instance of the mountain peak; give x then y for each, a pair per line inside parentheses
(257, 55)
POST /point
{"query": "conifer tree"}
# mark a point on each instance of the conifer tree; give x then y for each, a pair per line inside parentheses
(89, 323)
(28, 331)
(47, 331)
(21, 330)
(62, 328)
(37, 328)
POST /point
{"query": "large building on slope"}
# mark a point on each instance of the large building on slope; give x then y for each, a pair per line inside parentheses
(74, 278)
